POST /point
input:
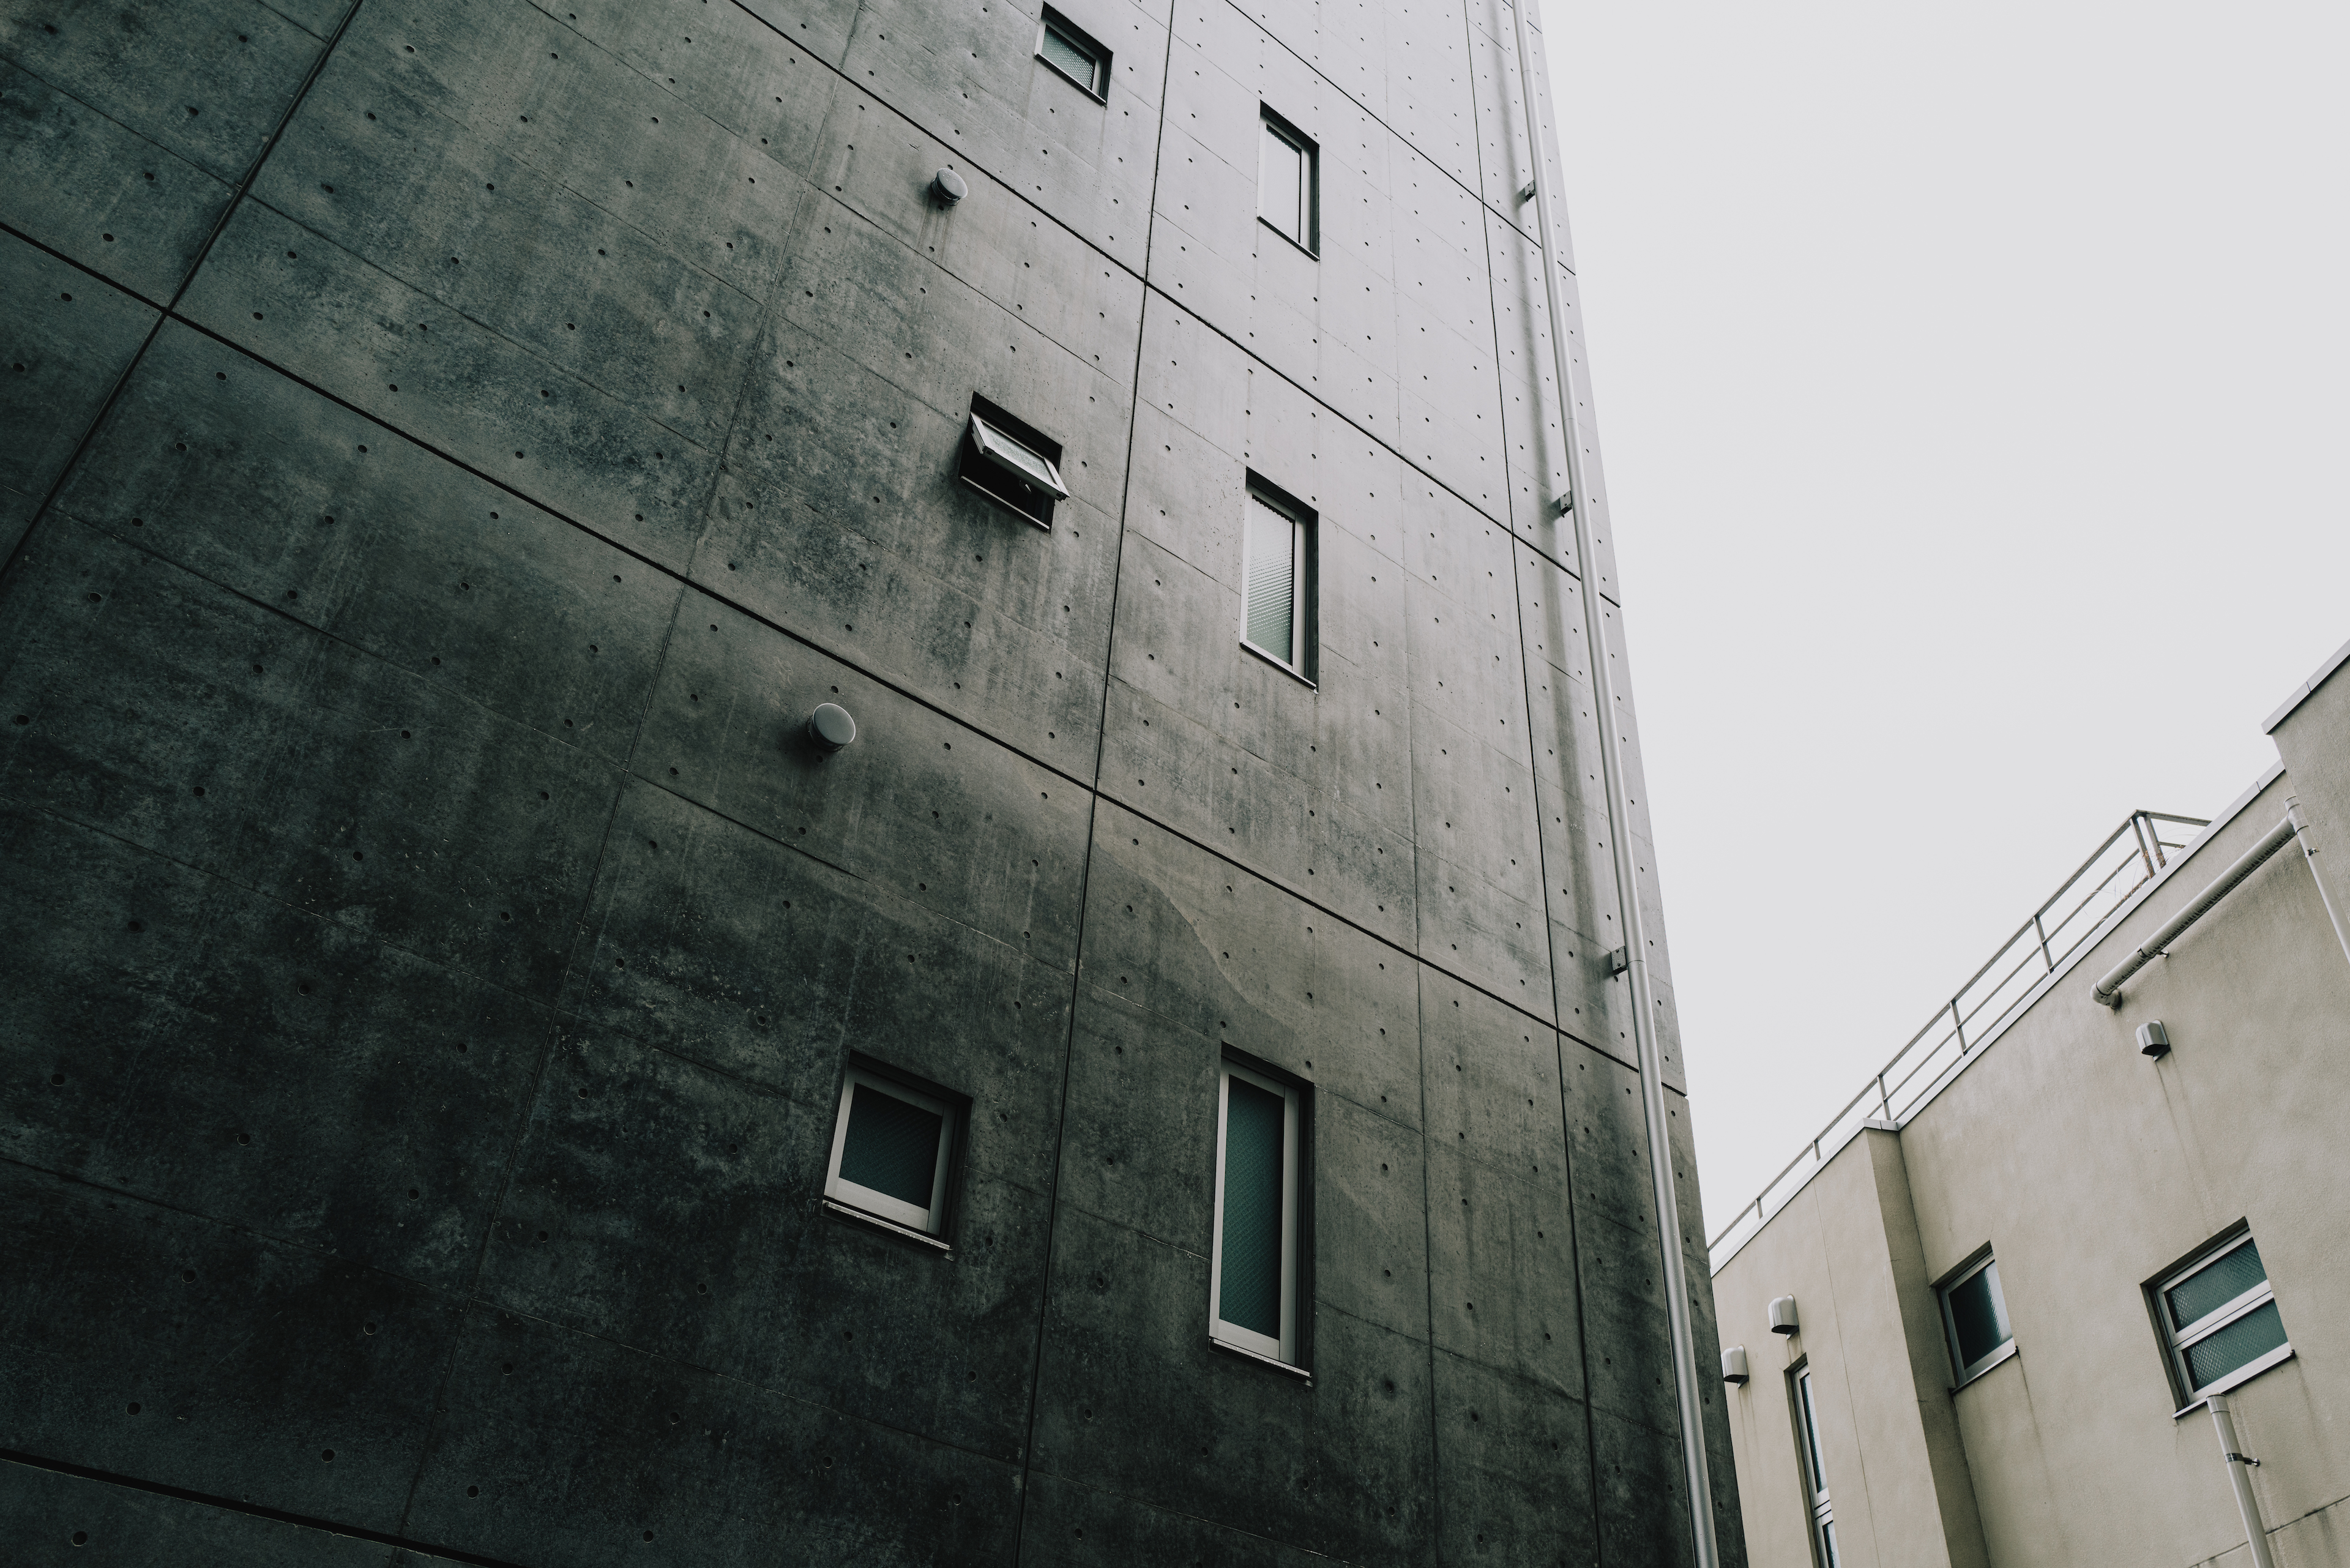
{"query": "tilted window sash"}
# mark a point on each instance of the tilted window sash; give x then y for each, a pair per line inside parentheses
(1022, 462)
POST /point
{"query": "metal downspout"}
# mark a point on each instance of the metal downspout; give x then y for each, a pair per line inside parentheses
(2292, 813)
(2256, 1533)
(1619, 833)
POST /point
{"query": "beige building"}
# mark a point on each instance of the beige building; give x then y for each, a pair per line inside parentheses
(2014, 1275)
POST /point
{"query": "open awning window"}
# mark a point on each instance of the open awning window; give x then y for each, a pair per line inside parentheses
(1021, 462)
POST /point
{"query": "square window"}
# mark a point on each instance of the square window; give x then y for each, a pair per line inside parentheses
(891, 1148)
(1011, 462)
(1253, 1275)
(1070, 51)
(1975, 1319)
(1277, 580)
(2218, 1319)
(1289, 177)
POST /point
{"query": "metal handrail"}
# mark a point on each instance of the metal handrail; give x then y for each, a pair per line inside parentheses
(1975, 1012)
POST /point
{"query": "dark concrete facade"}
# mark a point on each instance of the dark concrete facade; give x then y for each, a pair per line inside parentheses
(449, 447)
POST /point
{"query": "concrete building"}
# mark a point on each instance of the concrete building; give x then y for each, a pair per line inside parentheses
(2012, 1279)
(817, 781)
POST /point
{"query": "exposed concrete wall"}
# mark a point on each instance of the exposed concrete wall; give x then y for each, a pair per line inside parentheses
(2090, 1171)
(452, 446)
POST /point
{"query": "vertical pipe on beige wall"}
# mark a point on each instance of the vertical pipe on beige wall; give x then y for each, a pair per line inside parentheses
(1619, 831)
(2240, 1476)
(2309, 858)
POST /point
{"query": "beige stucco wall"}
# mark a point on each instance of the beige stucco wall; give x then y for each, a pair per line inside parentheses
(2089, 1169)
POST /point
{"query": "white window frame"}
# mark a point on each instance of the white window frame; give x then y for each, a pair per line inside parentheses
(1301, 569)
(1285, 1348)
(1966, 1372)
(1054, 23)
(927, 1222)
(2178, 1339)
(1307, 220)
(1821, 1510)
(1017, 458)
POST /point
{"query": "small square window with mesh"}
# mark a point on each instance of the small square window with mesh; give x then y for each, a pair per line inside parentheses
(1069, 50)
(892, 1150)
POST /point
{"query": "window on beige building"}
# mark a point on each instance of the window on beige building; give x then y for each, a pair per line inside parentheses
(1975, 1319)
(2219, 1320)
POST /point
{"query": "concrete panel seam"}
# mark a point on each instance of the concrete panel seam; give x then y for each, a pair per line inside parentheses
(220, 226)
(1144, 278)
(254, 1509)
(82, 267)
(1093, 834)
(807, 640)
(1542, 860)
(250, 891)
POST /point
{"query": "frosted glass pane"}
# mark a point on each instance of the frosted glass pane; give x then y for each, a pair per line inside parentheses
(893, 1146)
(2213, 1286)
(2248, 1338)
(1070, 59)
(1284, 186)
(1249, 1288)
(1272, 586)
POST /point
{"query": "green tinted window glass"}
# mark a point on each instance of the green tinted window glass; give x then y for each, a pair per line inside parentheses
(2209, 1288)
(1979, 1315)
(1249, 1288)
(2248, 1338)
(893, 1147)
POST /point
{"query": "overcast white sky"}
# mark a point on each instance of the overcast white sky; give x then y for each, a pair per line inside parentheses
(1971, 382)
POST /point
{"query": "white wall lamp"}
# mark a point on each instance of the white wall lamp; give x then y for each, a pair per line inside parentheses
(1733, 1365)
(830, 728)
(1782, 1315)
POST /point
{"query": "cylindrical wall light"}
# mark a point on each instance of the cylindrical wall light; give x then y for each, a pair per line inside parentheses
(830, 728)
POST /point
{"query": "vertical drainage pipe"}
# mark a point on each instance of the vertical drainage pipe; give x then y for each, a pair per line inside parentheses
(1619, 834)
(2256, 1534)
(2292, 814)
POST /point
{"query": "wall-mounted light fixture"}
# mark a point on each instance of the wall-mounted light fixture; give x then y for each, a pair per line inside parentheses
(830, 728)
(1733, 1365)
(1782, 1315)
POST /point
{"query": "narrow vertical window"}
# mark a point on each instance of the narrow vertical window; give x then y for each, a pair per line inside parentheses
(891, 1151)
(1815, 1484)
(1253, 1277)
(1975, 1319)
(1278, 581)
(2220, 1320)
(1288, 167)
(1074, 54)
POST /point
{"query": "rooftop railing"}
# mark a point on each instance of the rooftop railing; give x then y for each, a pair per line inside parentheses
(2132, 856)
